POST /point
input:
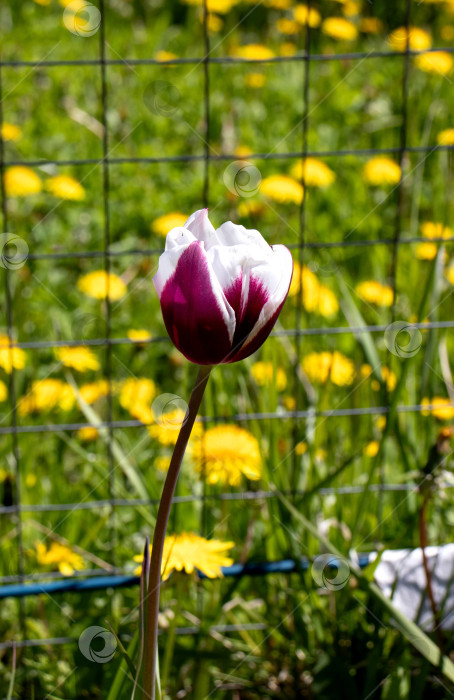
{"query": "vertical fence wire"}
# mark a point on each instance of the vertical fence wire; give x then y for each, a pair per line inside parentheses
(398, 222)
(301, 241)
(16, 490)
(107, 266)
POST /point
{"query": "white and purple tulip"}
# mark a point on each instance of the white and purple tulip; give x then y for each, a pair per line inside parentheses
(221, 291)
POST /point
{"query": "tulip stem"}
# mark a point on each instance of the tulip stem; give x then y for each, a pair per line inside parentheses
(154, 580)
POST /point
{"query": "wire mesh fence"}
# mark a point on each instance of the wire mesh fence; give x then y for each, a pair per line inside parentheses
(303, 412)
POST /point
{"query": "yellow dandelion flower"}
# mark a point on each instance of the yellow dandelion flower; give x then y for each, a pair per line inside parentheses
(254, 80)
(446, 137)
(253, 52)
(442, 408)
(3, 391)
(301, 448)
(432, 229)
(225, 453)
(289, 403)
(165, 223)
(342, 370)
(287, 48)
(10, 132)
(65, 187)
(382, 171)
(316, 173)
(277, 4)
(327, 304)
(243, 151)
(214, 23)
(10, 356)
(162, 463)
(374, 292)
(46, 395)
(21, 181)
(76, 5)
(88, 434)
(136, 391)
(351, 8)
(166, 428)
(189, 552)
(323, 366)
(371, 449)
(388, 377)
(30, 480)
(339, 28)
(426, 251)
(163, 56)
(305, 277)
(250, 207)
(60, 555)
(93, 391)
(370, 25)
(266, 373)
(79, 358)
(438, 62)
(381, 422)
(303, 15)
(449, 274)
(220, 6)
(317, 297)
(365, 371)
(139, 335)
(282, 188)
(287, 26)
(142, 411)
(418, 39)
(95, 284)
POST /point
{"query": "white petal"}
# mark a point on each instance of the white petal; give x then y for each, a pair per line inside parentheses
(200, 225)
(233, 234)
(275, 275)
(177, 237)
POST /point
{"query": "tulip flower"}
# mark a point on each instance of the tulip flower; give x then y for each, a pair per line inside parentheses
(221, 293)
(222, 290)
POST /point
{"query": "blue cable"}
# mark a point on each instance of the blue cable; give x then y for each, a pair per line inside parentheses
(95, 583)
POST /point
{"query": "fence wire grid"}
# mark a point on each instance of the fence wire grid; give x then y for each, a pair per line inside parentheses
(12, 428)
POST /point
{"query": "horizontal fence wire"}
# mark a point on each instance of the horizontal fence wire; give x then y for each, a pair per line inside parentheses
(335, 330)
(125, 160)
(228, 496)
(298, 57)
(180, 631)
(239, 417)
